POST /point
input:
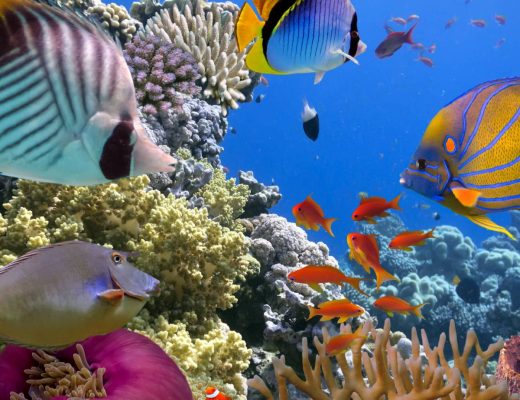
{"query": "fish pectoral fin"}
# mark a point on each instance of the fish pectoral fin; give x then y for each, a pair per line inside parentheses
(326, 318)
(316, 287)
(385, 214)
(485, 222)
(466, 197)
(318, 77)
(112, 295)
(346, 55)
(390, 313)
(342, 320)
(371, 221)
(409, 248)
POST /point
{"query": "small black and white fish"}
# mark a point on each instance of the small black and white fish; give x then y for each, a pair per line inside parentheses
(68, 112)
(467, 289)
(260, 98)
(311, 121)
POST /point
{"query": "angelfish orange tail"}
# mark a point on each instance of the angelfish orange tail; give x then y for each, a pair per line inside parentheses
(382, 275)
(395, 203)
(417, 310)
(327, 225)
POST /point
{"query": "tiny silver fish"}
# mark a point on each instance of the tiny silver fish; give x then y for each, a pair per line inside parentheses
(68, 112)
(63, 293)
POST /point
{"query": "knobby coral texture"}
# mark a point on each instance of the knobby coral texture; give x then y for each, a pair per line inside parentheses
(207, 33)
(120, 365)
(162, 74)
(508, 369)
(384, 372)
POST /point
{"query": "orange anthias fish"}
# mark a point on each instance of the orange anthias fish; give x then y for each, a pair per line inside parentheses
(364, 249)
(405, 240)
(310, 215)
(372, 207)
(341, 343)
(214, 393)
(392, 304)
(342, 309)
(313, 275)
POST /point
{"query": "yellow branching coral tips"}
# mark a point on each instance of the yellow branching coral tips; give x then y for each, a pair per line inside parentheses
(384, 374)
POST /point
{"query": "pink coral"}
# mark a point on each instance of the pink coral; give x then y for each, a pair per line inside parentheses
(508, 368)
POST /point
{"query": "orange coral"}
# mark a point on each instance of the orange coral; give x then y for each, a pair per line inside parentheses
(508, 368)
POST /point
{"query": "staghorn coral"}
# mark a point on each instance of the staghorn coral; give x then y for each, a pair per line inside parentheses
(207, 33)
(114, 19)
(508, 369)
(131, 366)
(387, 374)
(198, 261)
(161, 73)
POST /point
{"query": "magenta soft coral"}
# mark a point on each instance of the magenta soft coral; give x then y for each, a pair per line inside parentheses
(135, 368)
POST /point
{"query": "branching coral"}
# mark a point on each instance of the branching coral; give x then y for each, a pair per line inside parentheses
(199, 262)
(161, 73)
(387, 374)
(208, 35)
(114, 19)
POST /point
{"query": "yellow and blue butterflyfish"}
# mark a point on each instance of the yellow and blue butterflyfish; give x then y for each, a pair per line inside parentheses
(299, 36)
(469, 157)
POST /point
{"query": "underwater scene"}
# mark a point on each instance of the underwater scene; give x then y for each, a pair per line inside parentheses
(260, 199)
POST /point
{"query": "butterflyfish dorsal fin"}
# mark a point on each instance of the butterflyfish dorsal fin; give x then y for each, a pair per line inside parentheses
(247, 26)
(264, 7)
(467, 197)
(485, 222)
(316, 206)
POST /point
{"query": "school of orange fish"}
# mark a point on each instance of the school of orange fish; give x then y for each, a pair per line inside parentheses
(364, 249)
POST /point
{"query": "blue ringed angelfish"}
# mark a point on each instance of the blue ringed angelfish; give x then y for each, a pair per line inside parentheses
(469, 157)
(299, 36)
(68, 112)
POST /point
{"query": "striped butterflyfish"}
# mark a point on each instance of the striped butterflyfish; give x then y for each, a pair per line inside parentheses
(299, 36)
(68, 112)
(469, 157)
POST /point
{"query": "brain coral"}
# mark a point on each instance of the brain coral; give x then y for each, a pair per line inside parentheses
(199, 262)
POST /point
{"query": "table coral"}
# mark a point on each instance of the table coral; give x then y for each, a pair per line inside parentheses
(199, 262)
(207, 33)
(161, 73)
(385, 373)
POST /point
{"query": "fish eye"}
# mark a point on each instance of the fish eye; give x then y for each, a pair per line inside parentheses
(421, 164)
(299, 208)
(117, 258)
(354, 238)
(291, 278)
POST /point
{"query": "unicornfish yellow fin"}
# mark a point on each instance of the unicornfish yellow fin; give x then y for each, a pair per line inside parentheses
(466, 197)
(485, 222)
(247, 27)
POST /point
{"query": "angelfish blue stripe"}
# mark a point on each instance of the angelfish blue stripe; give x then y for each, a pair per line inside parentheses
(494, 169)
(481, 116)
(494, 141)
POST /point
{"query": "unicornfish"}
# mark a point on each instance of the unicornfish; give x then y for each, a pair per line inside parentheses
(68, 112)
(63, 293)
(469, 156)
(296, 36)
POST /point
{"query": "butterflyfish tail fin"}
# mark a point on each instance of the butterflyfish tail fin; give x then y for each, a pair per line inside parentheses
(257, 62)
(327, 225)
(417, 310)
(382, 275)
(485, 222)
(247, 27)
(395, 202)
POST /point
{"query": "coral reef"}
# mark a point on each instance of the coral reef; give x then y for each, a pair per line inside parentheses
(114, 19)
(262, 197)
(79, 371)
(208, 35)
(161, 74)
(508, 368)
(387, 374)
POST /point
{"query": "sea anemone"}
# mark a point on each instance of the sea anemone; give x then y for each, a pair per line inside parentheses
(120, 365)
(508, 368)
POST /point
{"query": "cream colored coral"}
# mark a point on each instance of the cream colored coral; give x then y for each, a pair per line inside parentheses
(207, 33)
(387, 374)
(115, 18)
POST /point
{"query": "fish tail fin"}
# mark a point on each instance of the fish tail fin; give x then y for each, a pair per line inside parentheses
(327, 225)
(355, 283)
(313, 311)
(485, 222)
(395, 202)
(429, 234)
(408, 36)
(417, 310)
(382, 275)
(247, 27)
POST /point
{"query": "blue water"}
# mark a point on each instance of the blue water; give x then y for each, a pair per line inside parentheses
(372, 116)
